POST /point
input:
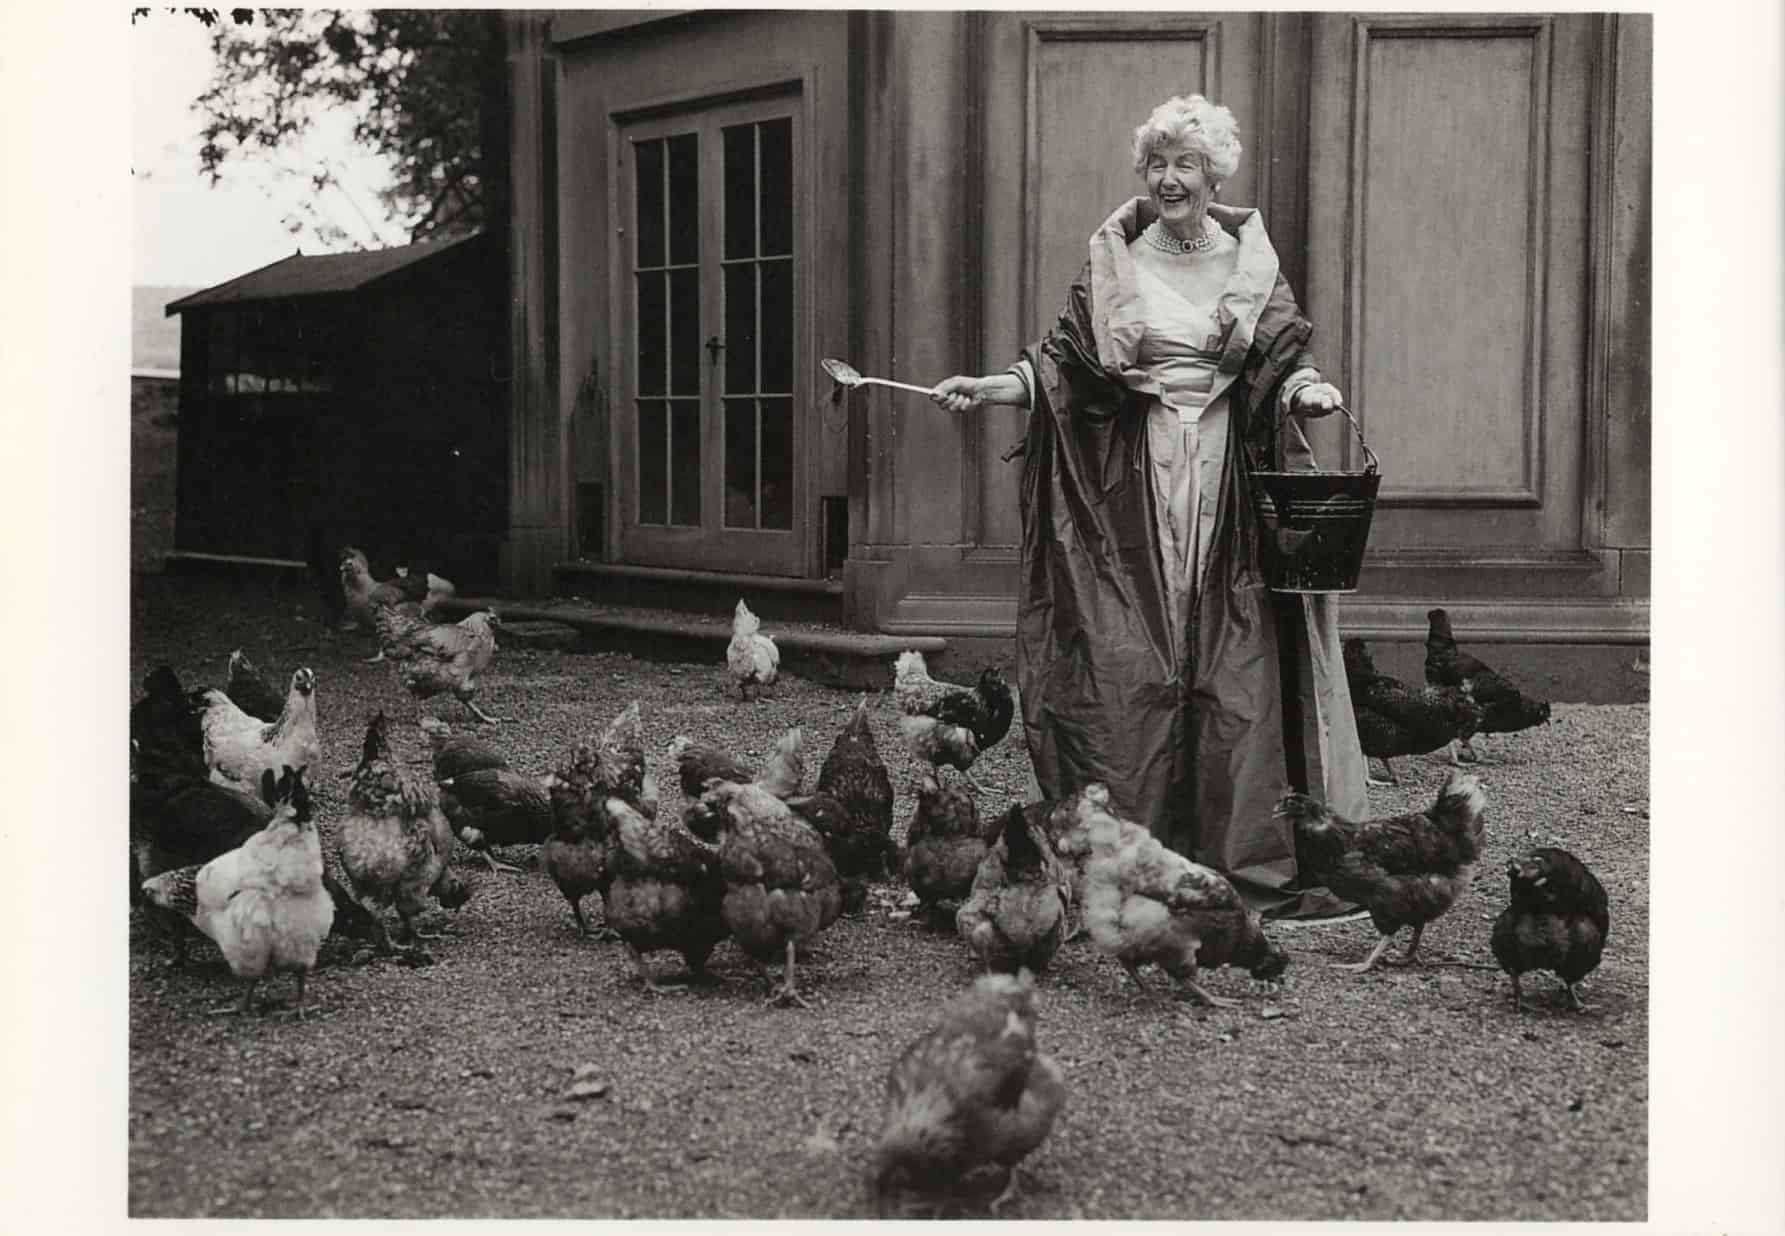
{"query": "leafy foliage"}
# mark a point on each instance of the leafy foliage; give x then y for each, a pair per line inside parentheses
(424, 88)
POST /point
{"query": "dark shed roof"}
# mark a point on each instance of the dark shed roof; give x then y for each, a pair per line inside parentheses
(320, 274)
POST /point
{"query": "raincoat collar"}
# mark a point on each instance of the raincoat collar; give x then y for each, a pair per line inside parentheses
(1118, 319)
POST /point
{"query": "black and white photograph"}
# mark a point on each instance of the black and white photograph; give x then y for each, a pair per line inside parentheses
(902, 613)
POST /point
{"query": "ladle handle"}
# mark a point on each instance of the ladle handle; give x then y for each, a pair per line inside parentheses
(903, 386)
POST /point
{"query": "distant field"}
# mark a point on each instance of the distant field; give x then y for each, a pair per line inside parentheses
(154, 337)
(154, 406)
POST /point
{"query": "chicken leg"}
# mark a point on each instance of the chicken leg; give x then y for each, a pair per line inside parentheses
(244, 1006)
(1009, 1192)
(788, 992)
(495, 866)
(480, 714)
(1205, 998)
(1368, 963)
(1406, 959)
(1574, 1000)
(644, 975)
(1387, 767)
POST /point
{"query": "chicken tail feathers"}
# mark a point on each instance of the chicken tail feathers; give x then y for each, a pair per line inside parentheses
(1020, 844)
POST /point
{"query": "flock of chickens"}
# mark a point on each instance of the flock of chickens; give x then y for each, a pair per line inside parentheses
(225, 840)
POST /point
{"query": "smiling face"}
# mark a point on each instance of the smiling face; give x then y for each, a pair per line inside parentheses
(1179, 186)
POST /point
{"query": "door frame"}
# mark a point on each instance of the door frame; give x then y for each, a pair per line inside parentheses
(712, 547)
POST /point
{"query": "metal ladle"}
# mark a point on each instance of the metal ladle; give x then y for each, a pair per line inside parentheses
(846, 375)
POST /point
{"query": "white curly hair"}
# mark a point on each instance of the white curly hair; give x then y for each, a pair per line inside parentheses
(1207, 128)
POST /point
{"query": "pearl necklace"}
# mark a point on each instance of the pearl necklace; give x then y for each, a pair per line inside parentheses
(1165, 242)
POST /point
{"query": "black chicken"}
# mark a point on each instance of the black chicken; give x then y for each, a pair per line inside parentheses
(165, 724)
(948, 724)
(490, 807)
(1394, 720)
(1558, 921)
(1504, 708)
(250, 692)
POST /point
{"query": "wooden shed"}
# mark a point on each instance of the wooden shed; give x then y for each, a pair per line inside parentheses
(707, 204)
(353, 397)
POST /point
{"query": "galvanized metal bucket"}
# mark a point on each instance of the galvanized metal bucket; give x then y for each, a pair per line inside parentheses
(1316, 524)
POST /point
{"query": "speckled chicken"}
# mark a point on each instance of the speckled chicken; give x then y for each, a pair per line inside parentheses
(239, 748)
(947, 725)
(945, 843)
(412, 594)
(781, 888)
(854, 776)
(1407, 869)
(974, 1092)
(1558, 921)
(575, 854)
(1393, 719)
(578, 853)
(396, 843)
(751, 657)
(1504, 708)
(441, 658)
(263, 902)
(1015, 915)
(1144, 903)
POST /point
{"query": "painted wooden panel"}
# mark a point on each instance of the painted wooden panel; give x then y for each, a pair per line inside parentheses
(1449, 187)
(1445, 258)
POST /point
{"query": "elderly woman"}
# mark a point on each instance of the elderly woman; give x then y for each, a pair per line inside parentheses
(1150, 654)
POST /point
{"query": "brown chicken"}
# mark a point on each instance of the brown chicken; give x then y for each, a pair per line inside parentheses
(974, 1092)
(781, 888)
(395, 841)
(664, 890)
(1145, 903)
(945, 843)
(440, 658)
(496, 807)
(1015, 915)
(861, 842)
(1407, 869)
(454, 754)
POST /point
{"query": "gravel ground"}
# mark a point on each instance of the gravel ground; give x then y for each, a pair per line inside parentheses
(441, 1091)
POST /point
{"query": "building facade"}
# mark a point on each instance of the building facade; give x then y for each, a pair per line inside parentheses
(705, 205)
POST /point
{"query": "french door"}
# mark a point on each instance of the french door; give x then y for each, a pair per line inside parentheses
(710, 312)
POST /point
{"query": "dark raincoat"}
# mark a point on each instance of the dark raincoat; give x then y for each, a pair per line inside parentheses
(1198, 752)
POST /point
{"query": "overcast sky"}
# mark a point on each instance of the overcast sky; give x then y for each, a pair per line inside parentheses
(186, 233)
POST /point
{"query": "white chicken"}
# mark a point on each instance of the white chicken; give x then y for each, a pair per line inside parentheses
(752, 657)
(239, 748)
(264, 902)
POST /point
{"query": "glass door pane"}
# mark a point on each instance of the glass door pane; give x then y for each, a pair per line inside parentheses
(757, 174)
(666, 279)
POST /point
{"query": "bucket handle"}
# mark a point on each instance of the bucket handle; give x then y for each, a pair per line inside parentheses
(1372, 465)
